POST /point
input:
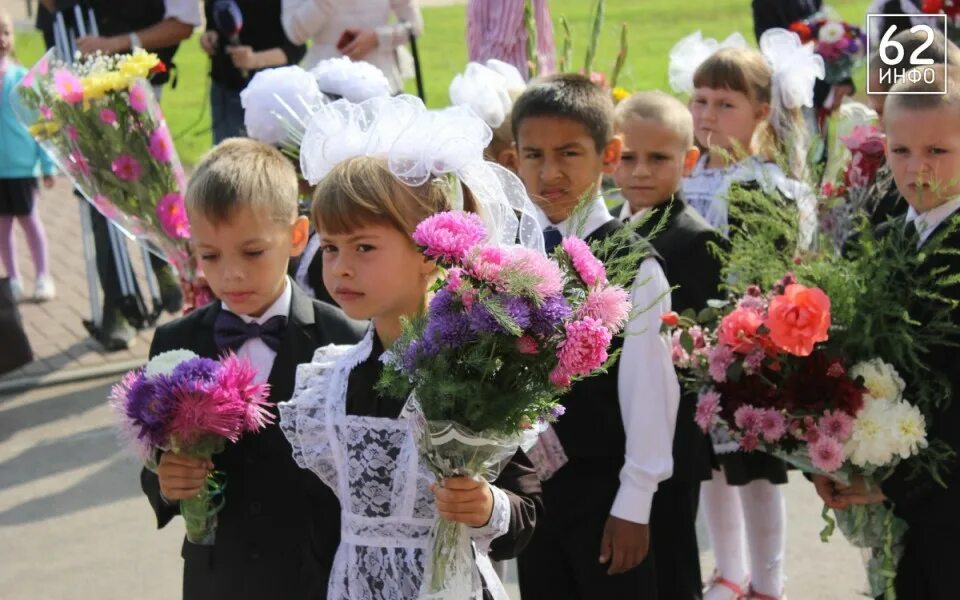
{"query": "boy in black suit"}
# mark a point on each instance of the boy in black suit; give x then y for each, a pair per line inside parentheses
(658, 152)
(278, 530)
(593, 540)
(923, 150)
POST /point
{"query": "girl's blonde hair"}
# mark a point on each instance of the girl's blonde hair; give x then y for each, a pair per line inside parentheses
(747, 71)
(6, 17)
(363, 191)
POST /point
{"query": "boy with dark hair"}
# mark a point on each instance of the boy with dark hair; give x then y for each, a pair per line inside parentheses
(617, 432)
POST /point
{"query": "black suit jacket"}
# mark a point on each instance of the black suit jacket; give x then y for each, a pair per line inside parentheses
(922, 502)
(279, 529)
(694, 273)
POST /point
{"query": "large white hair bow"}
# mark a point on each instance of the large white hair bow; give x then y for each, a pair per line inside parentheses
(795, 67)
(688, 54)
(486, 89)
(419, 144)
(278, 101)
(355, 81)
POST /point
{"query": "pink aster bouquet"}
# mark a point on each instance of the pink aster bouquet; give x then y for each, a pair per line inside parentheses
(99, 120)
(190, 405)
(842, 45)
(507, 331)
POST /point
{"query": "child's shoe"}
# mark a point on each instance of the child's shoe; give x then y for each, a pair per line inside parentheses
(45, 289)
(732, 591)
(16, 288)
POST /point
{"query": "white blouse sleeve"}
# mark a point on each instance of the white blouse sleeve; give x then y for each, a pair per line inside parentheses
(303, 18)
(396, 34)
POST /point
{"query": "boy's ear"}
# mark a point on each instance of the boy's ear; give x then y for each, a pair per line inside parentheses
(299, 234)
(611, 155)
(507, 158)
(763, 111)
(690, 160)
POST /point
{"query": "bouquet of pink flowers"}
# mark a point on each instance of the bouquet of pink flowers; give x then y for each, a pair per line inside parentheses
(190, 405)
(507, 331)
(99, 120)
(842, 45)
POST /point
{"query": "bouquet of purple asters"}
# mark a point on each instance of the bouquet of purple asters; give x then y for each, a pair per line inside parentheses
(190, 405)
(508, 330)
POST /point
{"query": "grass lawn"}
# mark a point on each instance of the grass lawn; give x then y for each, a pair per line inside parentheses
(654, 26)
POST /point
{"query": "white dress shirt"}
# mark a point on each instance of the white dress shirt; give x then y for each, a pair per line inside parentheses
(185, 11)
(928, 221)
(254, 349)
(627, 215)
(648, 389)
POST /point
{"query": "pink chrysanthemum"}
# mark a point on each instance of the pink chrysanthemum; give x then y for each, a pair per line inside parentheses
(584, 348)
(772, 425)
(678, 355)
(68, 86)
(138, 98)
(486, 263)
(46, 112)
(454, 280)
(173, 216)
(527, 345)
(836, 424)
(609, 304)
(161, 146)
(449, 235)
(708, 409)
(720, 358)
(826, 454)
(590, 270)
(108, 117)
(126, 167)
(548, 274)
(238, 376)
(747, 417)
(753, 361)
(559, 378)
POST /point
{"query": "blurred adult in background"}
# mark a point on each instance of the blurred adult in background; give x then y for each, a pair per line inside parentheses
(498, 29)
(241, 38)
(158, 26)
(360, 29)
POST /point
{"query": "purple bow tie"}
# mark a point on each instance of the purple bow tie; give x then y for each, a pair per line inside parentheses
(230, 331)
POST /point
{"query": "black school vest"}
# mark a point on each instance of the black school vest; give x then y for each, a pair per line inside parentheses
(592, 426)
(115, 17)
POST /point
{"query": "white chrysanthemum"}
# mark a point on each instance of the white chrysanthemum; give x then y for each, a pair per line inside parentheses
(884, 431)
(165, 362)
(880, 379)
(832, 32)
(910, 427)
(278, 99)
(355, 81)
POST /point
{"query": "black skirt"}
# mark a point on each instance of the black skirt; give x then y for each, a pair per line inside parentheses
(17, 196)
(740, 468)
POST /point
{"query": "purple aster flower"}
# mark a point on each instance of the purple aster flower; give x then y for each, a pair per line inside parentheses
(411, 354)
(199, 369)
(150, 404)
(558, 411)
(518, 309)
(447, 329)
(546, 319)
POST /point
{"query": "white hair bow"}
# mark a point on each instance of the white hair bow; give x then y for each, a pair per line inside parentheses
(795, 67)
(354, 80)
(278, 102)
(688, 54)
(486, 90)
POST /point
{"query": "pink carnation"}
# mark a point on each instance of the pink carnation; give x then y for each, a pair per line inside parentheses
(747, 417)
(826, 454)
(46, 112)
(548, 274)
(772, 425)
(126, 168)
(720, 358)
(161, 146)
(559, 378)
(486, 263)
(108, 117)
(449, 235)
(527, 345)
(610, 305)
(584, 348)
(708, 409)
(68, 86)
(750, 441)
(173, 216)
(138, 98)
(589, 269)
(836, 424)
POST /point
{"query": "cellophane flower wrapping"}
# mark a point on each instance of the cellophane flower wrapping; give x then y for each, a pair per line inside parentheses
(508, 330)
(99, 120)
(193, 406)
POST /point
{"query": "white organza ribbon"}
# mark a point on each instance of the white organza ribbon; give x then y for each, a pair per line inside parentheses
(419, 144)
(276, 100)
(486, 90)
(688, 54)
(795, 67)
(355, 81)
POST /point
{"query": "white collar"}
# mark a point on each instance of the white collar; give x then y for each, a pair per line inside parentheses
(626, 212)
(280, 306)
(597, 216)
(928, 221)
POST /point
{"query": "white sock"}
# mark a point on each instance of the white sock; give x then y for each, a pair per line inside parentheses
(765, 511)
(723, 515)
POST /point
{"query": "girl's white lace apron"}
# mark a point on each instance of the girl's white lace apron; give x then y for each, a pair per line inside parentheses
(372, 464)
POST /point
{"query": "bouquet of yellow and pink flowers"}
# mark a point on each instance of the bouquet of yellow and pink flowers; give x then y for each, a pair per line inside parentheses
(99, 120)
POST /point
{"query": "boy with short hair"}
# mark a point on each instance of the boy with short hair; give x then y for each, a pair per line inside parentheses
(279, 527)
(618, 429)
(923, 150)
(658, 152)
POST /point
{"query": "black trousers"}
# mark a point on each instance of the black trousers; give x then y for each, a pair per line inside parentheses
(562, 560)
(673, 539)
(928, 569)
